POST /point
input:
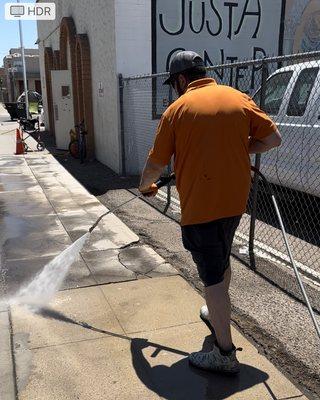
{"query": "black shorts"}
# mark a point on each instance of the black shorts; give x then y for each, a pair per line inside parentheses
(210, 246)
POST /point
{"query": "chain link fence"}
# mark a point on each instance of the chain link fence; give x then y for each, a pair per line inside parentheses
(288, 89)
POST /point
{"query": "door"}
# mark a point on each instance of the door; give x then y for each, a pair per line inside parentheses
(312, 139)
(277, 87)
(62, 106)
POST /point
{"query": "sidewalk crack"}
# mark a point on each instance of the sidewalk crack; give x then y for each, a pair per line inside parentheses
(119, 259)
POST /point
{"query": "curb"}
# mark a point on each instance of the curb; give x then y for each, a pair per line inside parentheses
(7, 370)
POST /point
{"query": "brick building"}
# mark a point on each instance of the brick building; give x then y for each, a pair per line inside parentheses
(3, 86)
(12, 64)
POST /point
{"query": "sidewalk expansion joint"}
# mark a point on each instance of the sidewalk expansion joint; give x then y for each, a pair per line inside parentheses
(97, 285)
(164, 328)
(103, 336)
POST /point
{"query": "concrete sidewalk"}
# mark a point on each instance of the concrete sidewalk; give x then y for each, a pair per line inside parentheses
(124, 321)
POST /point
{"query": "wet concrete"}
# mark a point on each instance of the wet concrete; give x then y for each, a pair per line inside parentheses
(43, 209)
(40, 222)
(7, 373)
(21, 272)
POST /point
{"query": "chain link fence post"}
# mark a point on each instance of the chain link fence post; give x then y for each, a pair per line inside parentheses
(290, 97)
(169, 169)
(255, 184)
(122, 139)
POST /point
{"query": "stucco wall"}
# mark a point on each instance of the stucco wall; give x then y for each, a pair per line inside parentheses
(134, 50)
(133, 37)
(96, 19)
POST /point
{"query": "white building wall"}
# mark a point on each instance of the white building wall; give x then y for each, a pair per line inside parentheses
(96, 18)
(133, 37)
(134, 50)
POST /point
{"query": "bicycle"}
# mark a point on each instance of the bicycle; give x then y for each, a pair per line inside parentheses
(78, 143)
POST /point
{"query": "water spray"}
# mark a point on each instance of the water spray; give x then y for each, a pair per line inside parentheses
(43, 287)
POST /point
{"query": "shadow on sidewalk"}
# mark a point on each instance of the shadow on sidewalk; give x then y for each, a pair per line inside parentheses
(179, 381)
(97, 178)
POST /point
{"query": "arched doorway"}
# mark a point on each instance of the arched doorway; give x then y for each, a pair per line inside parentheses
(84, 88)
(67, 56)
(56, 59)
(49, 66)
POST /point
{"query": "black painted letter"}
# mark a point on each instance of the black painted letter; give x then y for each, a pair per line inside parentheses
(231, 6)
(250, 13)
(255, 68)
(191, 19)
(183, 9)
(170, 56)
(209, 63)
(232, 60)
(219, 18)
(239, 75)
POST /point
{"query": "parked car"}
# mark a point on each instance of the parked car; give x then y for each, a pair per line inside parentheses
(292, 100)
(13, 110)
(33, 97)
(18, 108)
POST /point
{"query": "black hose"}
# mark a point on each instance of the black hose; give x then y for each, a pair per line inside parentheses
(163, 181)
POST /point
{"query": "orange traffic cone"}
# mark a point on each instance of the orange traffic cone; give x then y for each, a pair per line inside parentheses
(19, 144)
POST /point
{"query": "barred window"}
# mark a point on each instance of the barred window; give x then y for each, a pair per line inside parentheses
(301, 92)
(275, 90)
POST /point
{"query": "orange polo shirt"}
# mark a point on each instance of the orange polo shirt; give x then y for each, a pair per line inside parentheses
(207, 130)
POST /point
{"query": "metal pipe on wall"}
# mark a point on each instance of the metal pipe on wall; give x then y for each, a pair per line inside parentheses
(25, 82)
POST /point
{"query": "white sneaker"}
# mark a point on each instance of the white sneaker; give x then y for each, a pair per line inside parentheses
(215, 361)
(204, 315)
(204, 312)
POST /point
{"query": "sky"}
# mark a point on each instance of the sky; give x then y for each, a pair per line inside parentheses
(9, 32)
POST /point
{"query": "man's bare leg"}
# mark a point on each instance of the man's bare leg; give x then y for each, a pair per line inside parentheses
(218, 302)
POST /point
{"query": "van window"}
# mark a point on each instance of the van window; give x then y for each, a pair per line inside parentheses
(275, 90)
(301, 92)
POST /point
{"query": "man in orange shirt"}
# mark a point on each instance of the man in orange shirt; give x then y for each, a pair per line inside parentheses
(210, 130)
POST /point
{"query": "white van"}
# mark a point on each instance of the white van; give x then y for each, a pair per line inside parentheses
(292, 100)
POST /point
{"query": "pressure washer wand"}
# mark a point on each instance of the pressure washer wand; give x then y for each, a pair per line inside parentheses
(163, 181)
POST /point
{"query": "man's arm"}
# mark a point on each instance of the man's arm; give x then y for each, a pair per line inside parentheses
(264, 134)
(159, 156)
(151, 173)
(257, 146)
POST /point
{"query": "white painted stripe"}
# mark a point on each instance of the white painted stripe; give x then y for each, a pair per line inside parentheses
(298, 125)
(265, 251)
(163, 197)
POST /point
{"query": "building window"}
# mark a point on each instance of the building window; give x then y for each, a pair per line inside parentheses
(21, 87)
